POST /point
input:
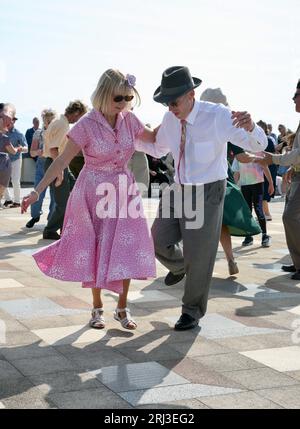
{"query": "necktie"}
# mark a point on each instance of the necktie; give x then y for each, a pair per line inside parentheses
(182, 147)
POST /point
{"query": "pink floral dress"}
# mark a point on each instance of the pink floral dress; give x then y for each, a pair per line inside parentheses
(101, 248)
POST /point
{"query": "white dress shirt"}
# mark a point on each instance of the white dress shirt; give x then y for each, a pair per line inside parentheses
(209, 129)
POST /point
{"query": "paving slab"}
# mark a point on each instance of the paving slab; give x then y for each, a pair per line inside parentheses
(138, 377)
(29, 308)
(261, 378)
(70, 335)
(281, 359)
(43, 365)
(286, 397)
(243, 400)
(89, 399)
(159, 395)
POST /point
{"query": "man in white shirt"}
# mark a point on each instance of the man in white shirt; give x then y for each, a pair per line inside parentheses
(197, 134)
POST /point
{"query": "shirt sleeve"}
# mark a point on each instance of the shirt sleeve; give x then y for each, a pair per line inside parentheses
(289, 158)
(158, 149)
(235, 166)
(23, 141)
(137, 126)
(256, 141)
(78, 134)
(57, 134)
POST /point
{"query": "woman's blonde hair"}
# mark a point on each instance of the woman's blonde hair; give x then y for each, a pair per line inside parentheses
(289, 139)
(48, 115)
(113, 83)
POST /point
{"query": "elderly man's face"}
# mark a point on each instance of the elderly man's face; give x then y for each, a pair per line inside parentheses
(183, 106)
(6, 121)
(296, 99)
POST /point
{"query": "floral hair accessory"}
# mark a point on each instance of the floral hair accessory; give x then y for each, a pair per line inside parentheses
(131, 80)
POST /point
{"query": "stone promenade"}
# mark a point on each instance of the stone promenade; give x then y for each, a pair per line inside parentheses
(245, 354)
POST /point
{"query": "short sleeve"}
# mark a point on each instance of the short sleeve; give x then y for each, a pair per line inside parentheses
(137, 126)
(36, 135)
(78, 134)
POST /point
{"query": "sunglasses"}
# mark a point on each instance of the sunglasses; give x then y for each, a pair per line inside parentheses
(127, 98)
(171, 104)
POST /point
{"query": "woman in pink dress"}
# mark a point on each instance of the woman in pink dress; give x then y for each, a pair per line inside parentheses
(105, 239)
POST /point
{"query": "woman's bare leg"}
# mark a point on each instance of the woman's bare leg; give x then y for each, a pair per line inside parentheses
(122, 304)
(226, 243)
(97, 301)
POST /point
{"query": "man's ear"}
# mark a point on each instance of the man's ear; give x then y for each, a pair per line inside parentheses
(192, 94)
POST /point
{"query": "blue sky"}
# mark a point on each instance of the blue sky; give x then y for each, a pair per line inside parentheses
(53, 52)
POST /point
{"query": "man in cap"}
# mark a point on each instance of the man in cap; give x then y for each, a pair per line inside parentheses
(197, 134)
(291, 215)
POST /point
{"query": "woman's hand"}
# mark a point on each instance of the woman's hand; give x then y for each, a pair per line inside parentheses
(28, 201)
(271, 189)
(59, 179)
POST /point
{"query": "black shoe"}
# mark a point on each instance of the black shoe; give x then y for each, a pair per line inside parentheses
(8, 203)
(266, 241)
(15, 205)
(51, 236)
(289, 268)
(247, 242)
(32, 222)
(296, 276)
(173, 279)
(186, 322)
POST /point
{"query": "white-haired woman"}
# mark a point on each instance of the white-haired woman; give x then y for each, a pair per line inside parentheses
(37, 150)
(105, 240)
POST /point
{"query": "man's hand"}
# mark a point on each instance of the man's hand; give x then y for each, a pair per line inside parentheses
(28, 201)
(288, 175)
(266, 160)
(59, 179)
(243, 120)
(271, 189)
(245, 157)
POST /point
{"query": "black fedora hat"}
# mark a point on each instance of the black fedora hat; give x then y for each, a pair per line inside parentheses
(176, 81)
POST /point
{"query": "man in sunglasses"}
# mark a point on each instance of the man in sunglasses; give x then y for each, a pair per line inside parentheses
(197, 134)
(291, 215)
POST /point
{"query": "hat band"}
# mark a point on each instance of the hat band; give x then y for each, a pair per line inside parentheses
(177, 89)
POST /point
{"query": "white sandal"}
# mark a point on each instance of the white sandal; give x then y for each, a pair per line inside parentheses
(127, 320)
(97, 321)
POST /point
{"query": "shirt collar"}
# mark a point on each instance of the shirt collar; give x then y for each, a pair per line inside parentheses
(192, 116)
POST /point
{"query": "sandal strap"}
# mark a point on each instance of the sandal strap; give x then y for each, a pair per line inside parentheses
(127, 320)
(97, 317)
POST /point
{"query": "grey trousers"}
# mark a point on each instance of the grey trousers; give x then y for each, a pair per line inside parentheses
(191, 251)
(291, 220)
